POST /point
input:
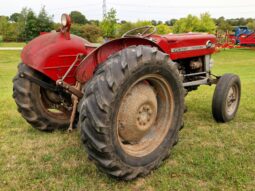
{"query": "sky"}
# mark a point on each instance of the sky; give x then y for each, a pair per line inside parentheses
(133, 10)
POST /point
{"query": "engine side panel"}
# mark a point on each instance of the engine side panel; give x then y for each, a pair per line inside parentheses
(181, 46)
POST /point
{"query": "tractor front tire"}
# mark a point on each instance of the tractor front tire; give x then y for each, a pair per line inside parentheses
(226, 98)
(132, 111)
(33, 104)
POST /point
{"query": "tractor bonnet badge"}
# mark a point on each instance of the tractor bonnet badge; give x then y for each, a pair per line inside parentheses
(208, 45)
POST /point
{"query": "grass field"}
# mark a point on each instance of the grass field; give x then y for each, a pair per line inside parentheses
(209, 156)
(12, 44)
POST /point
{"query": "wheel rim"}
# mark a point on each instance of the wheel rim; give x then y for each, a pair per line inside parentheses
(232, 100)
(53, 105)
(145, 115)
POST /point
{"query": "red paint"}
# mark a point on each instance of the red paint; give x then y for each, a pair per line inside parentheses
(53, 53)
(171, 41)
(85, 70)
(247, 40)
(164, 43)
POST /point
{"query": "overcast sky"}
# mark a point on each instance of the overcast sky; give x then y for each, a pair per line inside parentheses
(133, 10)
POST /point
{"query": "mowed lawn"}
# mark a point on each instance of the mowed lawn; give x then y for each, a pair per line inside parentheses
(12, 44)
(209, 156)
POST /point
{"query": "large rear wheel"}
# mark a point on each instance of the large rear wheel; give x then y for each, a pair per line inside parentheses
(132, 111)
(43, 109)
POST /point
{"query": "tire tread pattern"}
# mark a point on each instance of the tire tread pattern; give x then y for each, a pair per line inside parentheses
(95, 107)
(28, 106)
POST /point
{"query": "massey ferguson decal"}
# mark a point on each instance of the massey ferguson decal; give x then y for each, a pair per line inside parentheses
(190, 48)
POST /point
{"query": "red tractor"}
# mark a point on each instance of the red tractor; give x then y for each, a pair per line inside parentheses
(126, 95)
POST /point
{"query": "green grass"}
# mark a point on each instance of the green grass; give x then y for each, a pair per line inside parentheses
(12, 44)
(209, 156)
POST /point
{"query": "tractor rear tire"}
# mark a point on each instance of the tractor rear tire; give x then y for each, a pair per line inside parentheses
(31, 103)
(132, 111)
(226, 98)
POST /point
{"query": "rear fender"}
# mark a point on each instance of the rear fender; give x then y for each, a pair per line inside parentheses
(87, 67)
(52, 54)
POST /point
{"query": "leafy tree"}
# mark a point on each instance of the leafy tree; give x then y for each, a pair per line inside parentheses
(8, 30)
(45, 22)
(194, 24)
(188, 24)
(163, 29)
(4, 25)
(142, 23)
(207, 24)
(251, 25)
(90, 32)
(154, 22)
(124, 27)
(219, 20)
(123, 22)
(30, 25)
(250, 20)
(171, 22)
(15, 17)
(12, 33)
(109, 24)
(6, 17)
(78, 18)
(95, 22)
(31, 29)
(22, 20)
(76, 29)
(224, 26)
(237, 22)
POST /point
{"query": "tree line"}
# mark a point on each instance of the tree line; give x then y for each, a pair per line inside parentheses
(26, 25)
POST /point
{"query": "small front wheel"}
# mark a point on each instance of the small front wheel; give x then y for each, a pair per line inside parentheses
(226, 98)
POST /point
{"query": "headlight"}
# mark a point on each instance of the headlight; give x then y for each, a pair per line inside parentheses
(64, 20)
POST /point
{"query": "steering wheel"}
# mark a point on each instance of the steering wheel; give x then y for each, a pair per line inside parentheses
(144, 33)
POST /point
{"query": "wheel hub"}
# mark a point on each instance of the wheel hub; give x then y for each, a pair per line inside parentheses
(137, 113)
(144, 116)
(231, 100)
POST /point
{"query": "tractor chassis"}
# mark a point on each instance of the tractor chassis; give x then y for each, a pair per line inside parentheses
(206, 81)
(76, 93)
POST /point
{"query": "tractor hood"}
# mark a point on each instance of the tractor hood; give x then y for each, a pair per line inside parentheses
(180, 46)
